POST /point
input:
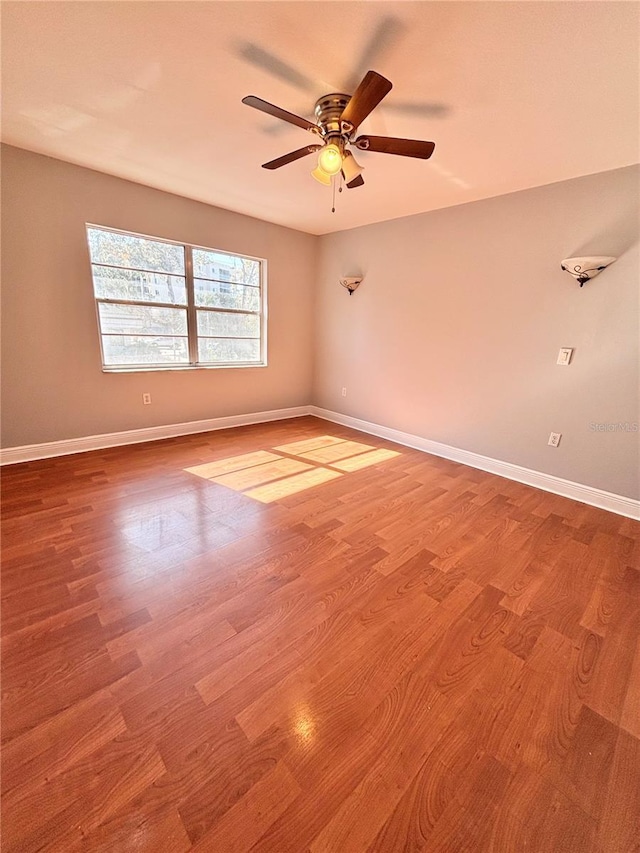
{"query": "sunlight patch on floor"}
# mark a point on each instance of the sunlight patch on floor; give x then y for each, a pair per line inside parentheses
(298, 447)
(336, 451)
(266, 476)
(233, 463)
(292, 485)
(258, 474)
(356, 463)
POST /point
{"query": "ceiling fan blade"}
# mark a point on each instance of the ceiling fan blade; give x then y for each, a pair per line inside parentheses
(278, 112)
(289, 158)
(383, 37)
(431, 109)
(366, 97)
(393, 145)
(356, 182)
(274, 65)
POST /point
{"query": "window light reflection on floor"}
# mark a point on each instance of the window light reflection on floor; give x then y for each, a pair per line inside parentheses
(234, 463)
(363, 460)
(266, 476)
(335, 451)
(308, 444)
(258, 474)
(292, 485)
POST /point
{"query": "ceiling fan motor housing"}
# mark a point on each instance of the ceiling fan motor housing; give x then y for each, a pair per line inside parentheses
(328, 110)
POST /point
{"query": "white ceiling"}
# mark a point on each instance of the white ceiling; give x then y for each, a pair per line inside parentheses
(515, 95)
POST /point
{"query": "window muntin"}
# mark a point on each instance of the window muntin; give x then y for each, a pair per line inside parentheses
(162, 304)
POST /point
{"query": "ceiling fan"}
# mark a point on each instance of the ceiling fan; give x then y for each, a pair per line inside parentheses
(338, 116)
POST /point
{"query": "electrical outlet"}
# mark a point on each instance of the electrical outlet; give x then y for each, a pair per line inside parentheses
(344, 392)
(146, 399)
(554, 439)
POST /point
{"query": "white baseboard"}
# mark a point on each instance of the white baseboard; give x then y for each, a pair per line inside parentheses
(30, 452)
(619, 504)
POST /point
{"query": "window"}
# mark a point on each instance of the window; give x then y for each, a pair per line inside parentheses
(162, 304)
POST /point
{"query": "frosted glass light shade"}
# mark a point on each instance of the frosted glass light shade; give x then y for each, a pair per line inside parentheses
(586, 268)
(330, 159)
(321, 176)
(350, 167)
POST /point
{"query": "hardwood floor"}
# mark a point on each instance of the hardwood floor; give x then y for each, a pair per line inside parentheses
(293, 637)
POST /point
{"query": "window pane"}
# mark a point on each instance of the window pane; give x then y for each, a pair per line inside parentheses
(211, 324)
(129, 350)
(216, 294)
(219, 266)
(140, 320)
(110, 283)
(145, 292)
(125, 250)
(227, 350)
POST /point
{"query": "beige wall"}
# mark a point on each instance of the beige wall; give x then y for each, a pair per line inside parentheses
(52, 383)
(454, 334)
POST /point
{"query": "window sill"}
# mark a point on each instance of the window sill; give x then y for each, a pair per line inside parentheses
(183, 367)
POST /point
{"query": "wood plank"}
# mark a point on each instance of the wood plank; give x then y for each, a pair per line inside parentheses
(248, 820)
(365, 648)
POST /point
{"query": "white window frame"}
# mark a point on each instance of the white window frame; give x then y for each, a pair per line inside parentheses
(191, 308)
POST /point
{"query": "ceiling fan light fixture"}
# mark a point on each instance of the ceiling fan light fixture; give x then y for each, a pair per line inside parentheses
(351, 168)
(321, 176)
(330, 159)
(338, 115)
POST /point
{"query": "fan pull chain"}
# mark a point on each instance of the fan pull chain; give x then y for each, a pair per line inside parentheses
(333, 188)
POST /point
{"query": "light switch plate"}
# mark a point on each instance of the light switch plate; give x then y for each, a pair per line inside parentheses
(564, 356)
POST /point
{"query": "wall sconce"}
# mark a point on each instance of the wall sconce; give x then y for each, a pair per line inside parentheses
(584, 269)
(351, 283)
